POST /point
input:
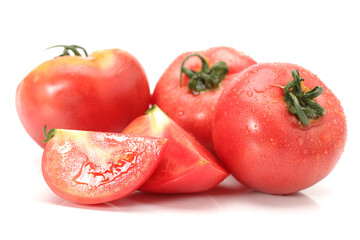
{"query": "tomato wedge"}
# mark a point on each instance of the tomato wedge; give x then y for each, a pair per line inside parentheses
(95, 167)
(186, 166)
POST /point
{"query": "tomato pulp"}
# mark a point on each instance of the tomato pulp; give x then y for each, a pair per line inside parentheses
(95, 167)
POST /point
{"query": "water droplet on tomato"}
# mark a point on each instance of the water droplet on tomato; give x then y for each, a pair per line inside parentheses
(300, 140)
(261, 80)
(330, 102)
(180, 111)
(317, 157)
(249, 93)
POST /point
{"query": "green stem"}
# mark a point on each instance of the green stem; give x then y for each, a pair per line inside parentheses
(72, 48)
(206, 79)
(302, 104)
(48, 135)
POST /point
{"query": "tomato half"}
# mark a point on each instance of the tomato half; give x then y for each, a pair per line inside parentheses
(95, 167)
(192, 103)
(102, 92)
(267, 147)
(186, 165)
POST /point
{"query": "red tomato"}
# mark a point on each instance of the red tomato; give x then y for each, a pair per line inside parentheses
(194, 110)
(96, 167)
(102, 92)
(186, 165)
(263, 144)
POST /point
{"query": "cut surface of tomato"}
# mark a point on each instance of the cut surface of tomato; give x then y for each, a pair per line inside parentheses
(96, 167)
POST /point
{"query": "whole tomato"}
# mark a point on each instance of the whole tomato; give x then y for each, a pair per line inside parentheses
(278, 129)
(190, 87)
(101, 92)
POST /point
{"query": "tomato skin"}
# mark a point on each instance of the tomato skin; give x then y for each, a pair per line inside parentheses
(97, 167)
(263, 145)
(192, 112)
(102, 92)
(186, 165)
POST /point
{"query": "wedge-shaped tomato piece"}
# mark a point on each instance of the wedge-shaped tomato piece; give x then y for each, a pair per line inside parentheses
(186, 166)
(96, 167)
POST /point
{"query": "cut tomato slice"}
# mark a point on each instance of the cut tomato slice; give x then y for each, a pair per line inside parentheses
(186, 166)
(96, 167)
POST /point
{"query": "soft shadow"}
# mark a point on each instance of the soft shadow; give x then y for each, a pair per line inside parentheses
(204, 201)
(143, 202)
(291, 201)
(229, 195)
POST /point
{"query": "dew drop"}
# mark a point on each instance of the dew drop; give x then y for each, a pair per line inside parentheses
(249, 93)
(330, 102)
(180, 111)
(300, 140)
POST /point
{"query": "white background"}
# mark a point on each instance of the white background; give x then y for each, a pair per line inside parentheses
(322, 36)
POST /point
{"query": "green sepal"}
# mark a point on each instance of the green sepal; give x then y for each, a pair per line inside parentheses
(49, 135)
(206, 79)
(302, 104)
(73, 48)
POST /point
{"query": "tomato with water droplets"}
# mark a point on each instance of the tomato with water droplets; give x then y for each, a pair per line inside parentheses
(186, 165)
(95, 167)
(278, 129)
(190, 87)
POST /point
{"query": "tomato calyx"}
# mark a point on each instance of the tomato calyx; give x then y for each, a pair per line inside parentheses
(73, 48)
(48, 135)
(206, 79)
(300, 101)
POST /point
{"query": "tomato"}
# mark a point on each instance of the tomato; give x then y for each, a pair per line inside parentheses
(95, 167)
(102, 92)
(186, 165)
(191, 103)
(276, 137)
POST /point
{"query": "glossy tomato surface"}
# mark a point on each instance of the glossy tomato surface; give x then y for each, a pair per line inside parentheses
(96, 167)
(263, 145)
(194, 112)
(102, 92)
(186, 165)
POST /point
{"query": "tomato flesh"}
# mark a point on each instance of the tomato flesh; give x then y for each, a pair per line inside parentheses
(96, 167)
(186, 165)
(263, 145)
